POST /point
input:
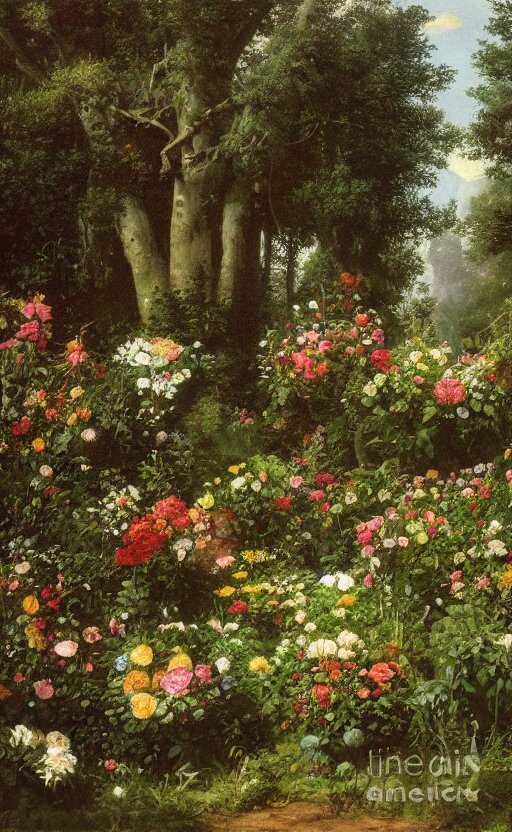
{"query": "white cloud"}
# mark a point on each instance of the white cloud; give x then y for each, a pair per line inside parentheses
(468, 169)
(444, 23)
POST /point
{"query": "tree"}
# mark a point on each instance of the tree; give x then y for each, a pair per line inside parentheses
(490, 219)
(205, 135)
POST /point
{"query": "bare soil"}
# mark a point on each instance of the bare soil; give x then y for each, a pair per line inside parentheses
(308, 817)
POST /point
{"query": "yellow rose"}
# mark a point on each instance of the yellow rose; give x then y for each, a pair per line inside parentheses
(71, 346)
(30, 604)
(240, 575)
(76, 392)
(38, 445)
(142, 655)
(234, 469)
(143, 705)
(259, 665)
(422, 538)
(155, 681)
(72, 420)
(180, 660)
(421, 366)
(225, 592)
(506, 579)
(432, 474)
(36, 640)
(207, 501)
(507, 454)
(346, 601)
(217, 481)
(136, 680)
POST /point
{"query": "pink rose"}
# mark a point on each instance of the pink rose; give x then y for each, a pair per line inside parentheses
(367, 551)
(18, 678)
(29, 310)
(66, 648)
(508, 475)
(44, 689)
(482, 583)
(224, 561)
(403, 542)
(455, 576)
(364, 537)
(315, 496)
(204, 673)
(375, 524)
(368, 581)
(117, 629)
(324, 346)
(176, 681)
(296, 482)
(110, 765)
(91, 635)
(43, 312)
(418, 380)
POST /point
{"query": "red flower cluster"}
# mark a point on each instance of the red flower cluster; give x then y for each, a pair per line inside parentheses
(380, 359)
(238, 607)
(283, 503)
(147, 535)
(303, 363)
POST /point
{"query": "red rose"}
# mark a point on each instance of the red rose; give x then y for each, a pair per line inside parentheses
(381, 673)
(283, 503)
(238, 607)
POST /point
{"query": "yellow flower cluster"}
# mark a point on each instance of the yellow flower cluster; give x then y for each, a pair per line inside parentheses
(143, 705)
(506, 579)
(136, 680)
(254, 555)
(259, 665)
(225, 592)
(30, 604)
(142, 655)
(36, 640)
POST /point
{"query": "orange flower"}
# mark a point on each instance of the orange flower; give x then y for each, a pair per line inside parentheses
(363, 693)
(84, 413)
(38, 445)
(4, 692)
(346, 601)
(30, 604)
(155, 682)
(136, 680)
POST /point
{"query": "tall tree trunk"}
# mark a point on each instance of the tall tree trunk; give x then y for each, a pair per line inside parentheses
(235, 219)
(141, 251)
(267, 260)
(291, 265)
(196, 192)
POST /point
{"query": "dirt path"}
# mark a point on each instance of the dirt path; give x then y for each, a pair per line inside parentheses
(307, 817)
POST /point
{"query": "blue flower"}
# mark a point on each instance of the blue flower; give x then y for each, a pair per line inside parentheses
(228, 682)
(121, 663)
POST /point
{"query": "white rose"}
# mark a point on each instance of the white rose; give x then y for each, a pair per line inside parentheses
(345, 582)
(328, 580)
(143, 358)
(310, 627)
(237, 483)
(143, 383)
(118, 792)
(223, 664)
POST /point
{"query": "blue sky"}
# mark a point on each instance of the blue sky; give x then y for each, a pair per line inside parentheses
(459, 26)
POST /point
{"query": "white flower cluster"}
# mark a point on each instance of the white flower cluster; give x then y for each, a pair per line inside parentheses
(344, 647)
(116, 510)
(56, 761)
(156, 374)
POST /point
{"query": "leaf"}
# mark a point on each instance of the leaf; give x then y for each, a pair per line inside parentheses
(428, 414)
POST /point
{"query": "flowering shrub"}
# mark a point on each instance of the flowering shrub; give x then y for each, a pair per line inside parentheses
(155, 370)
(153, 617)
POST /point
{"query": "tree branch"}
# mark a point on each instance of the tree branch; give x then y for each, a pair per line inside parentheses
(190, 132)
(141, 119)
(249, 30)
(23, 62)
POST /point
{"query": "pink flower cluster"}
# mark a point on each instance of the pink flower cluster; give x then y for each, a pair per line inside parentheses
(449, 391)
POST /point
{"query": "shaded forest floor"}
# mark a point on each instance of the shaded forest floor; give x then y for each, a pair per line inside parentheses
(307, 817)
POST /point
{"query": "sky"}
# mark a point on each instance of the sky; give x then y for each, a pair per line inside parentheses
(455, 31)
